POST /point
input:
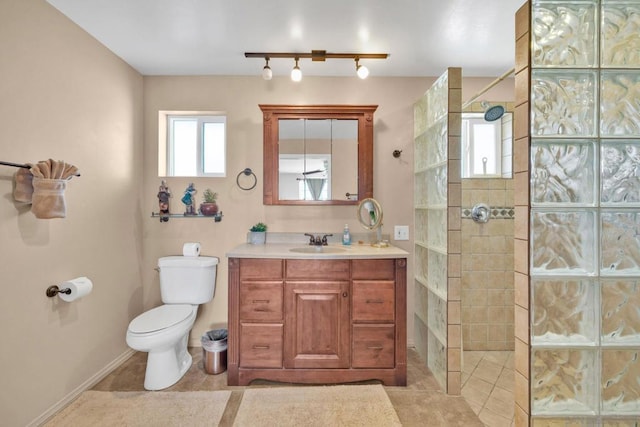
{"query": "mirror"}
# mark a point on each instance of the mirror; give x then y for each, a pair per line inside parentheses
(370, 217)
(317, 154)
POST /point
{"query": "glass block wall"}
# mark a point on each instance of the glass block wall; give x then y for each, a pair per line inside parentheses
(437, 219)
(584, 217)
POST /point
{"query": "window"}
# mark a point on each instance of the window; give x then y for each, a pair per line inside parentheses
(192, 145)
(481, 147)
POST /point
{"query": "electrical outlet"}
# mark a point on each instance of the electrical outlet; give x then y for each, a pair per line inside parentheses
(401, 232)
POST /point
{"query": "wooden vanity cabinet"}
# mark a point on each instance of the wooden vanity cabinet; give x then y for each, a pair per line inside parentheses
(317, 321)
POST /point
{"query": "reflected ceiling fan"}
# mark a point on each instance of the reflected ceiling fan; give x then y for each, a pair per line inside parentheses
(314, 172)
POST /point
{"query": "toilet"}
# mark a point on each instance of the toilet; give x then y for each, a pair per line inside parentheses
(163, 332)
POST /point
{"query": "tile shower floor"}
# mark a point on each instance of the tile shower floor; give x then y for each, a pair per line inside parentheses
(487, 385)
(420, 403)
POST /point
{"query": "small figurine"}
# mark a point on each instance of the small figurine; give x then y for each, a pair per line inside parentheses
(187, 199)
(163, 201)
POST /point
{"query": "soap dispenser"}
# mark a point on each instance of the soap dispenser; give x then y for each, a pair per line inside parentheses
(346, 235)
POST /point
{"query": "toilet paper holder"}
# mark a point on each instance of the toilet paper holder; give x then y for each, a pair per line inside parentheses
(54, 290)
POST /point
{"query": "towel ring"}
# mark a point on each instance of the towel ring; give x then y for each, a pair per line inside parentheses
(247, 172)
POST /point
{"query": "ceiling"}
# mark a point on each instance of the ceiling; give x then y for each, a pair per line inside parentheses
(210, 37)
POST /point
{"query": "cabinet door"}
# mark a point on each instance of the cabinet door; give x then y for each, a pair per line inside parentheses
(317, 326)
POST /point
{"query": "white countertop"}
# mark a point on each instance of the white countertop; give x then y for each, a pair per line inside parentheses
(280, 247)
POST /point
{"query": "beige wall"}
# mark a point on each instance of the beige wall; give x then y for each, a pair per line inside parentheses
(64, 96)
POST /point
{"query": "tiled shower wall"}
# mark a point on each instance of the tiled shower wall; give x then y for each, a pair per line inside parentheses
(584, 224)
(487, 266)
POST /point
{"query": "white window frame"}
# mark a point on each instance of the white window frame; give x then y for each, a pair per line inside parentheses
(166, 143)
(468, 146)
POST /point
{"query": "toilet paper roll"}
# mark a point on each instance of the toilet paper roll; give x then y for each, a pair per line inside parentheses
(191, 249)
(79, 287)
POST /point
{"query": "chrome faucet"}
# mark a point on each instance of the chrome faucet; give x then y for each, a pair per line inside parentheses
(317, 240)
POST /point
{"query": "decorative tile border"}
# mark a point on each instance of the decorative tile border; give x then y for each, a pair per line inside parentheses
(496, 212)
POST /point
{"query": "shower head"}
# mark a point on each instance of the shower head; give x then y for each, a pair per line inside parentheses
(492, 114)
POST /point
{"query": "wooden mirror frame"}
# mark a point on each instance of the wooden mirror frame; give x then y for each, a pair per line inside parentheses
(271, 115)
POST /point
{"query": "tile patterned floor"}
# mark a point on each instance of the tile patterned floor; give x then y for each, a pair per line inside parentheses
(420, 403)
(487, 385)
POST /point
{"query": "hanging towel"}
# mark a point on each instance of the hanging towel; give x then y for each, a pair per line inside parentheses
(23, 187)
(49, 182)
(48, 198)
(54, 169)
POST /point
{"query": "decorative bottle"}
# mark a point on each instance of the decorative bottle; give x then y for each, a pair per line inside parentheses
(346, 235)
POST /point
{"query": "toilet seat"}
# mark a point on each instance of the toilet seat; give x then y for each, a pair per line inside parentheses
(159, 318)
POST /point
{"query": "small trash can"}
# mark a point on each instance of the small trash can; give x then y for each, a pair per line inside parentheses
(214, 351)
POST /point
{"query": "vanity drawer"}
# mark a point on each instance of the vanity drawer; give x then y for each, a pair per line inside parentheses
(373, 269)
(260, 268)
(312, 269)
(261, 300)
(373, 346)
(261, 345)
(373, 300)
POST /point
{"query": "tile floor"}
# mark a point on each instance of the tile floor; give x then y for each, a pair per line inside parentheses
(420, 403)
(487, 385)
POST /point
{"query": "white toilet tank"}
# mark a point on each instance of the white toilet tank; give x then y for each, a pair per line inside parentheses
(187, 280)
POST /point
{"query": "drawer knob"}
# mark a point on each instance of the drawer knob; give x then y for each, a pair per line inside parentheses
(344, 294)
(261, 347)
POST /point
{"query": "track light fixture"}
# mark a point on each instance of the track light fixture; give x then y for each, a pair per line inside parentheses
(361, 70)
(266, 71)
(296, 74)
(315, 55)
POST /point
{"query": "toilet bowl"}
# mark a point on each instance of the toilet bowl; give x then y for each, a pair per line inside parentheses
(163, 332)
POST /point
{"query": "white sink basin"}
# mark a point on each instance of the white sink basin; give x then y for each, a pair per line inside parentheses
(317, 250)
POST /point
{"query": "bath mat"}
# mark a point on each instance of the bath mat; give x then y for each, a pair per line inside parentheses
(350, 405)
(143, 408)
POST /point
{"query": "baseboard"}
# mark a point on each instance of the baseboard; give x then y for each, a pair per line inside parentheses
(90, 382)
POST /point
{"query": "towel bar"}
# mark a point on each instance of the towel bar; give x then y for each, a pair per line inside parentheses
(15, 165)
(20, 165)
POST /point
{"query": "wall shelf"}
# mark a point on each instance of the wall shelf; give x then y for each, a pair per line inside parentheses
(164, 218)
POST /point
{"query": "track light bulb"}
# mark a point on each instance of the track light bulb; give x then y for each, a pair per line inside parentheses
(296, 74)
(361, 70)
(267, 74)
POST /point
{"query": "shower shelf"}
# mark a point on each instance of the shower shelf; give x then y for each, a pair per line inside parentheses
(217, 217)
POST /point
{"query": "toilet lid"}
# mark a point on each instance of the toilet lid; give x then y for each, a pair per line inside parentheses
(159, 318)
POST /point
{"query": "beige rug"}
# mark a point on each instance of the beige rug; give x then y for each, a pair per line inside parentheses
(120, 408)
(349, 405)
